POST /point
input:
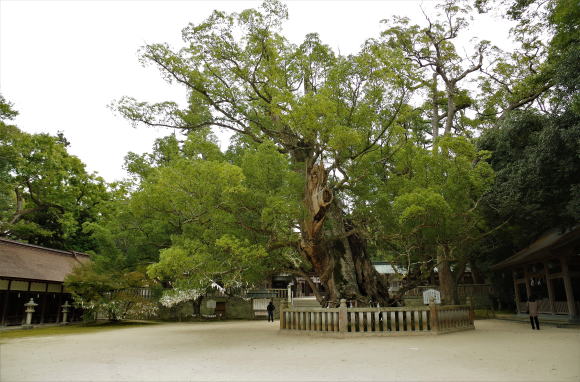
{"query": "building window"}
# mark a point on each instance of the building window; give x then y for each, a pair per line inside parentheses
(19, 285)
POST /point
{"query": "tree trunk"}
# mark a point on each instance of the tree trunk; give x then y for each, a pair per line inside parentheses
(447, 284)
(435, 111)
(334, 249)
(197, 306)
(451, 110)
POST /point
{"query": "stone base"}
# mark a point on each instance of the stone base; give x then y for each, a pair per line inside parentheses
(63, 323)
(27, 326)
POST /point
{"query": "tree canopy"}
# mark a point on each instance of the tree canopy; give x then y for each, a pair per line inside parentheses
(46, 195)
(318, 139)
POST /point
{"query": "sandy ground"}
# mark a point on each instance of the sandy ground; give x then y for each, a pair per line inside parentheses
(255, 351)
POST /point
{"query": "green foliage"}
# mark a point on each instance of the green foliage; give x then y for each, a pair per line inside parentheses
(227, 216)
(110, 292)
(537, 164)
(430, 204)
(46, 195)
(6, 110)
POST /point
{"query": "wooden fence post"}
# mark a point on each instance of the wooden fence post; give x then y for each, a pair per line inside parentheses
(283, 307)
(471, 311)
(342, 317)
(434, 318)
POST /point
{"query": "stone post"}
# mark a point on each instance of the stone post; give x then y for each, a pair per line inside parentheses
(29, 310)
(283, 307)
(65, 312)
(434, 318)
(342, 317)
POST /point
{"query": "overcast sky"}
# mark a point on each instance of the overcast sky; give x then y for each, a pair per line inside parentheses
(63, 62)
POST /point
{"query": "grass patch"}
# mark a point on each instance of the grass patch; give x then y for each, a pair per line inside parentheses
(482, 314)
(71, 329)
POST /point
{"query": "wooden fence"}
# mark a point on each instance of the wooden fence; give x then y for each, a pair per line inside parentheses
(267, 293)
(343, 321)
(463, 290)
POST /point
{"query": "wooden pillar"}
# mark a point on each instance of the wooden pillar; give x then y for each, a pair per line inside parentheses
(550, 289)
(471, 313)
(283, 307)
(44, 303)
(434, 315)
(568, 287)
(527, 278)
(342, 317)
(516, 291)
(58, 303)
(42, 307)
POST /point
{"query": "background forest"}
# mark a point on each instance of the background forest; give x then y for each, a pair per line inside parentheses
(412, 151)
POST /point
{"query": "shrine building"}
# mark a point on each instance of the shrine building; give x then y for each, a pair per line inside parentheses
(549, 269)
(30, 271)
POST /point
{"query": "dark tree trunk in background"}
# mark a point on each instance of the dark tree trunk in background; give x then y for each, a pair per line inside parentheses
(197, 306)
(447, 282)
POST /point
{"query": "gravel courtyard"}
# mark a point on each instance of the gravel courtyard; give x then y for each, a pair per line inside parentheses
(255, 351)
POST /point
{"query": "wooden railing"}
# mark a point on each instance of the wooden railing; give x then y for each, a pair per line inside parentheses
(463, 290)
(267, 293)
(377, 321)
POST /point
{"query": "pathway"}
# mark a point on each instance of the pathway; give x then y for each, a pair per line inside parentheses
(254, 350)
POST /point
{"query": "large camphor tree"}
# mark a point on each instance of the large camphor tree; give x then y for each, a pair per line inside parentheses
(332, 158)
(322, 112)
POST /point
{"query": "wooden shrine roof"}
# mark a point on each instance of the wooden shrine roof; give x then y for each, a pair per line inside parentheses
(27, 261)
(541, 248)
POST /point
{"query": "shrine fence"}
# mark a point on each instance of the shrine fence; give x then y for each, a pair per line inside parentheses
(345, 322)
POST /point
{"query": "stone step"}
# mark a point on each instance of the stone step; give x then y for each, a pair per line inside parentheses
(305, 302)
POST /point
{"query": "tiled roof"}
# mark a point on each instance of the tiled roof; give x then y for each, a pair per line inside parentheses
(27, 261)
(385, 268)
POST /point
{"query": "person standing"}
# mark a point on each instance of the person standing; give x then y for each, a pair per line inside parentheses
(533, 312)
(271, 309)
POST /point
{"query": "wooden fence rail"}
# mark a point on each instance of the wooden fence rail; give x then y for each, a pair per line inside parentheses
(343, 321)
(463, 290)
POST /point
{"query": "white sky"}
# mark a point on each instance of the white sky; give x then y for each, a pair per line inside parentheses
(63, 62)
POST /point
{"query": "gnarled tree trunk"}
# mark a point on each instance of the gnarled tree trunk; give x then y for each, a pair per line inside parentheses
(335, 251)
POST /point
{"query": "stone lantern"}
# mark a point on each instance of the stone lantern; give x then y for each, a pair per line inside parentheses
(65, 308)
(29, 310)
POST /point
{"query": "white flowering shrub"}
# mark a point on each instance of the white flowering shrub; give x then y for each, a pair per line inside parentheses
(119, 305)
(174, 297)
(144, 309)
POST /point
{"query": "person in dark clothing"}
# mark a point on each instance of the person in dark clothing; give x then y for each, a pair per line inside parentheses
(271, 309)
(533, 312)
